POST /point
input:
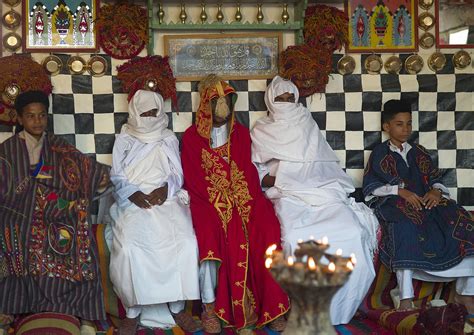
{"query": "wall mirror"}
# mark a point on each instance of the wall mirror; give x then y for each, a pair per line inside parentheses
(454, 23)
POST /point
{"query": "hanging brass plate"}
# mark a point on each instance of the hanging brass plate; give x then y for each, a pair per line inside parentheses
(346, 65)
(373, 64)
(414, 64)
(12, 3)
(12, 41)
(425, 4)
(76, 64)
(10, 92)
(393, 65)
(427, 40)
(461, 59)
(11, 19)
(52, 64)
(437, 61)
(426, 21)
(97, 66)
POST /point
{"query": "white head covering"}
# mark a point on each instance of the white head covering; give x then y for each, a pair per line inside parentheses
(289, 133)
(147, 129)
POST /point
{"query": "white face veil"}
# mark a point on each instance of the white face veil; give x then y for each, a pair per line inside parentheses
(289, 133)
(147, 129)
(282, 110)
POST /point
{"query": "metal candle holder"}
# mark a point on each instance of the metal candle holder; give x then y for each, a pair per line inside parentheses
(310, 284)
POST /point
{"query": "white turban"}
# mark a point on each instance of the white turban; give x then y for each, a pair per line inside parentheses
(147, 129)
(289, 133)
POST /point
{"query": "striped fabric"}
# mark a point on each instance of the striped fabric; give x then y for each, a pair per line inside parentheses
(378, 305)
(47, 254)
(113, 305)
(48, 323)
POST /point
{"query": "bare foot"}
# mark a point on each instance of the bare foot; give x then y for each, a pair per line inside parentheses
(466, 300)
(406, 305)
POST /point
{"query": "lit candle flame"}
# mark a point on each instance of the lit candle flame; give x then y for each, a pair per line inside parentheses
(311, 237)
(311, 264)
(325, 240)
(300, 240)
(291, 261)
(353, 259)
(270, 250)
(339, 252)
(332, 267)
(268, 263)
(349, 265)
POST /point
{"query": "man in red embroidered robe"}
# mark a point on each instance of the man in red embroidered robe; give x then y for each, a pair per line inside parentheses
(234, 222)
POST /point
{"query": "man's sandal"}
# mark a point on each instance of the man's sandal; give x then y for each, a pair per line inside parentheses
(186, 322)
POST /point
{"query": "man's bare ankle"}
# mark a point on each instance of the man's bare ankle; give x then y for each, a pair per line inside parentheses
(406, 305)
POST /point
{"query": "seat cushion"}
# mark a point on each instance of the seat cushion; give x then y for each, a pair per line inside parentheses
(48, 323)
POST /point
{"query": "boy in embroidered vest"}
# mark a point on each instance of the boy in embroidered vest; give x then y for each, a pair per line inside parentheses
(48, 258)
(154, 254)
(426, 235)
(234, 222)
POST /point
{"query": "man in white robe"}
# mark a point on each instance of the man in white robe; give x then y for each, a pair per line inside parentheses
(154, 254)
(309, 190)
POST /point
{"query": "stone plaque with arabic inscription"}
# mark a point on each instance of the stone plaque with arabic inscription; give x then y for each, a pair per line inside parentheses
(232, 56)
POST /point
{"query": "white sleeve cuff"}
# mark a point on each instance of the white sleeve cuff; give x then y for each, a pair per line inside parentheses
(386, 190)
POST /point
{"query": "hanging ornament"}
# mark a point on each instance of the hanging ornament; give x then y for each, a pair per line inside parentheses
(19, 73)
(238, 14)
(122, 30)
(327, 27)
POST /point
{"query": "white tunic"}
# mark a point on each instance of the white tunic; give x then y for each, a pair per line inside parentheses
(311, 190)
(310, 201)
(154, 256)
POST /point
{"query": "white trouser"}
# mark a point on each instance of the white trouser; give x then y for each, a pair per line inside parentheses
(464, 285)
(208, 281)
(175, 307)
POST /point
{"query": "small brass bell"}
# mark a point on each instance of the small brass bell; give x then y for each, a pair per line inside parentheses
(220, 15)
(160, 13)
(238, 14)
(203, 13)
(183, 16)
(284, 15)
(259, 13)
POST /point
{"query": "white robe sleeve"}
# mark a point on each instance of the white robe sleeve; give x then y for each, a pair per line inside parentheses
(123, 188)
(385, 190)
(388, 189)
(444, 190)
(262, 170)
(175, 179)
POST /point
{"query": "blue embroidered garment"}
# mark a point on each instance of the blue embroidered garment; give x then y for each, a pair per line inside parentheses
(433, 240)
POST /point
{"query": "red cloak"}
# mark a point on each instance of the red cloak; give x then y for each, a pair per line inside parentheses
(234, 225)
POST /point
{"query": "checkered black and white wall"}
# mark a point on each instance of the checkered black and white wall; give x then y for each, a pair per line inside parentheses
(88, 112)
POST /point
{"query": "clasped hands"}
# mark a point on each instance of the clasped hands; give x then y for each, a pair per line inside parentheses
(157, 197)
(428, 201)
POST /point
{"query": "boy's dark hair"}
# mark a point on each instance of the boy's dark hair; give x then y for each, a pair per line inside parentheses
(29, 97)
(393, 107)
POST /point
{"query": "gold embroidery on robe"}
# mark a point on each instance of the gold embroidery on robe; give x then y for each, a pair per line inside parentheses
(240, 191)
(224, 194)
(218, 189)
